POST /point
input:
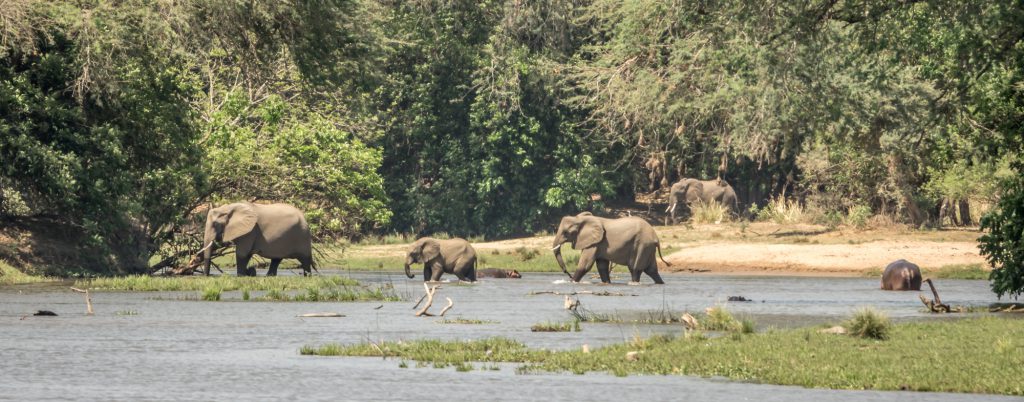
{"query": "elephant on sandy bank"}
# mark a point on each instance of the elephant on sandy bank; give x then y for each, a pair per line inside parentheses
(274, 231)
(626, 241)
(454, 256)
(498, 273)
(691, 191)
(901, 275)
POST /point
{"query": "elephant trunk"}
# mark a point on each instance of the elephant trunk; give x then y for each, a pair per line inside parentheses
(407, 272)
(558, 257)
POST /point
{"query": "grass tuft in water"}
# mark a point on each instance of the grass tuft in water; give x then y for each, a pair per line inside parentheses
(869, 323)
(573, 326)
(719, 319)
(460, 320)
(963, 356)
(146, 283)
(211, 294)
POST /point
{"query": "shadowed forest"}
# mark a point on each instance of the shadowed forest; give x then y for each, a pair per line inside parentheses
(124, 120)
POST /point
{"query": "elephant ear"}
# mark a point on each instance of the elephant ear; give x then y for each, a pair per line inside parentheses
(431, 250)
(242, 221)
(591, 232)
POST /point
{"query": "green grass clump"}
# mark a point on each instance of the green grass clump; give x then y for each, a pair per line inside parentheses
(336, 294)
(146, 283)
(719, 319)
(10, 276)
(782, 211)
(573, 326)
(979, 355)
(869, 323)
(212, 294)
(712, 212)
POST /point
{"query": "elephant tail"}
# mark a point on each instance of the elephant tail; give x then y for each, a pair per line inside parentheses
(662, 257)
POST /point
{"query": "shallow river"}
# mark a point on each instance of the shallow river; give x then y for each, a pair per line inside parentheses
(172, 349)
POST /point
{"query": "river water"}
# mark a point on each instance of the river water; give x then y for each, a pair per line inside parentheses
(156, 346)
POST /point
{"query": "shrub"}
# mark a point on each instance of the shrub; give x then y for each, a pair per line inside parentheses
(869, 323)
(719, 319)
(858, 216)
(781, 210)
(712, 212)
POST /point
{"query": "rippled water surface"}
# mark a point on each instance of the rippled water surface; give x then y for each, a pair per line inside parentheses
(153, 346)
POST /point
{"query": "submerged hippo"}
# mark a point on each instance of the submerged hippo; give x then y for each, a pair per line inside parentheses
(498, 273)
(901, 275)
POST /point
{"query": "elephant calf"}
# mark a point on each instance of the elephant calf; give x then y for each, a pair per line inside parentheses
(454, 256)
(498, 273)
(901, 275)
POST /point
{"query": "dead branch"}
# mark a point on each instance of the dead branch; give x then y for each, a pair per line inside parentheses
(88, 300)
(419, 301)
(450, 304)
(321, 315)
(581, 292)
(935, 306)
(430, 300)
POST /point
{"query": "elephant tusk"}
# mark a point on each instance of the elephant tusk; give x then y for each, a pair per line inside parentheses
(204, 248)
(556, 247)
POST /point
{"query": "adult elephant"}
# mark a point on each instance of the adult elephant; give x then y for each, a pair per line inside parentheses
(691, 190)
(901, 275)
(274, 231)
(627, 241)
(453, 256)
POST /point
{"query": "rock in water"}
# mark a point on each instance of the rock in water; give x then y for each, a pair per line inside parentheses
(45, 313)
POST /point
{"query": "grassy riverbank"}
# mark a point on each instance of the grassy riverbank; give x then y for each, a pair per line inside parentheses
(978, 355)
(12, 276)
(145, 283)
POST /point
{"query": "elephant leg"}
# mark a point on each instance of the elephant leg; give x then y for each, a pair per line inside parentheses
(242, 264)
(644, 259)
(274, 262)
(436, 271)
(602, 269)
(587, 258)
(307, 265)
(652, 271)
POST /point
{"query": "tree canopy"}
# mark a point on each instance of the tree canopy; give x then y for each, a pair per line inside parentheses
(126, 119)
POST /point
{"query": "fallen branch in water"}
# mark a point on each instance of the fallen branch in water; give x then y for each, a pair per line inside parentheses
(321, 315)
(581, 292)
(430, 300)
(935, 306)
(88, 300)
(450, 304)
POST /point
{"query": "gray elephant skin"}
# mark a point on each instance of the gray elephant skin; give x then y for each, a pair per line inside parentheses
(692, 190)
(498, 273)
(453, 256)
(901, 275)
(274, 231)
(626, 241)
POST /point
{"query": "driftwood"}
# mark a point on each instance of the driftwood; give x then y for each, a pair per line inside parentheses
(935, 306)
(571, 304)
(581, 292)
(430, 291)
(88, 300)
(321, 315)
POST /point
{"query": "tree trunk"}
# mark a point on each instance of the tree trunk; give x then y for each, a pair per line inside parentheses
(965, 213)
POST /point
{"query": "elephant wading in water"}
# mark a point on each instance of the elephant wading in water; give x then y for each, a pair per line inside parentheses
(627, 241)
(275, 231)
(692, 190)
(454, 256)
(901, 275)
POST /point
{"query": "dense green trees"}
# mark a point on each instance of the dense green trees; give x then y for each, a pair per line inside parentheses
(495, 117)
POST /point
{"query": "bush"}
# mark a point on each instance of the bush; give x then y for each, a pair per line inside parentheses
(712, 212)
(858, 216)
(1002, 244)
(869, 323)
(781, 210)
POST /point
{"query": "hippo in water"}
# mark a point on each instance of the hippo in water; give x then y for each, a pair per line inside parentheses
(497, 273)
(901, 275)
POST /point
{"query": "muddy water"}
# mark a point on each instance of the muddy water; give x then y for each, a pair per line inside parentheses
(169, 349)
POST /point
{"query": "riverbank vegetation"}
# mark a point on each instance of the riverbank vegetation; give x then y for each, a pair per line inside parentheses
(146, 283)
(124, 121)
(977, 355)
